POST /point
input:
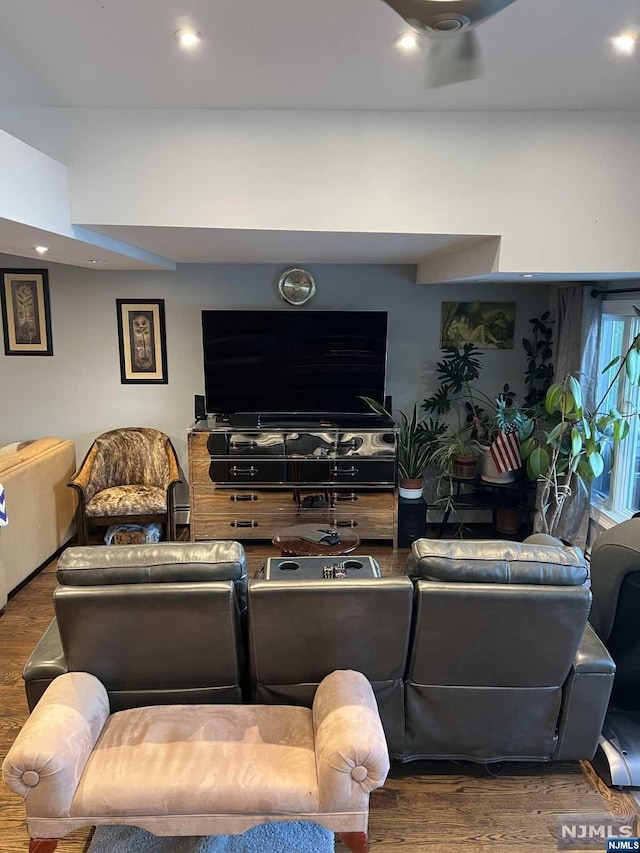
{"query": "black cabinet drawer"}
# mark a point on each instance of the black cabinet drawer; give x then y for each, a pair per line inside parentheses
(367, 444)
(248, 471)
(246, 444)
(364, 471)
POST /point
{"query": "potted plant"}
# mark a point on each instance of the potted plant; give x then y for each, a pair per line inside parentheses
(486, 418)
(457, 455)
(566, 449)
(416, 443)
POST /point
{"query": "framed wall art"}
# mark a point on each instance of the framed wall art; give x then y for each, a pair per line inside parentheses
(488, 325)
(142, 341)
(26, 314)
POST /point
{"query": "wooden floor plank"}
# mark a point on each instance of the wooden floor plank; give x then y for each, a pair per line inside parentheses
(424, 807)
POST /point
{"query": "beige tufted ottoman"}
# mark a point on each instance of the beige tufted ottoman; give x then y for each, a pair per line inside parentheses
(198, 769)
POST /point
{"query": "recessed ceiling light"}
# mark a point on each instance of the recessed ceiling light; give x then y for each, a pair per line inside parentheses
(97, 261)
(41, 250)
(625, 43)
(408, 41)
(187, 38)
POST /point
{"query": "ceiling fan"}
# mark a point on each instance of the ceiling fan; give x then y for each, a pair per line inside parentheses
(454, 53)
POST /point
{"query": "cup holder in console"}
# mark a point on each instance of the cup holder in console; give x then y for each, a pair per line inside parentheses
(288, 566)
(352, 564)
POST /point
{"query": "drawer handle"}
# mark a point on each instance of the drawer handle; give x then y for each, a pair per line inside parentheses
(350, 472)
(349, 523)
(348, 497)
(244, 524)
(249, 472)
(243, 444)
(238, 498)
(353, 443)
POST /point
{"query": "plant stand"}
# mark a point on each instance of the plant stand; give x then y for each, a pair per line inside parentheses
(519, 495)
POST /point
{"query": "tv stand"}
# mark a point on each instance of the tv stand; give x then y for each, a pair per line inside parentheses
(248, 482)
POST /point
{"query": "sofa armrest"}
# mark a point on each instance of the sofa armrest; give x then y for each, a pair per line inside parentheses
(585, 698)
(352, 758)
(46, 662)
(48, 757)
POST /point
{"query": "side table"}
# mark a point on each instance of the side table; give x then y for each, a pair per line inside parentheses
(291, 543)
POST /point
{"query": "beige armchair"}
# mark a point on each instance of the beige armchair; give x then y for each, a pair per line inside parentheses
(127, 477)
(217, 769)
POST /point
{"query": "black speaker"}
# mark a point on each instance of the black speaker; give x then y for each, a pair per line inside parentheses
(388, 404)
(200, 408)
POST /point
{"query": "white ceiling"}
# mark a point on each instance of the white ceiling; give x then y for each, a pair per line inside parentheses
(324, 54)
(296, 54)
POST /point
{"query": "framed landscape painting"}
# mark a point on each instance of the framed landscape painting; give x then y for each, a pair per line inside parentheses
(26, 315)
(142, 341)
(487, 325)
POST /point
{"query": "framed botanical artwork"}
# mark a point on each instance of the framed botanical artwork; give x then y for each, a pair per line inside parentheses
(26, 314)
(487, 325)
(142, 341)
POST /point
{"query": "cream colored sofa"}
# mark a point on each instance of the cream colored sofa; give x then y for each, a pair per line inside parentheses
(40, 507)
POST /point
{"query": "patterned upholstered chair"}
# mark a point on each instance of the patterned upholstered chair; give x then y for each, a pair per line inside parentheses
(127, 477)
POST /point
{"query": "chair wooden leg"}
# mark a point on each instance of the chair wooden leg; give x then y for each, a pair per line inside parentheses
(43, 845)
(358, 842)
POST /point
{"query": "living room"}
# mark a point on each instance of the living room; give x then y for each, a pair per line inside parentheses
(196, 177)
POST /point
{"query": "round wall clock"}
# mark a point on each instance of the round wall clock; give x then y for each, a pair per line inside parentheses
(296, 286)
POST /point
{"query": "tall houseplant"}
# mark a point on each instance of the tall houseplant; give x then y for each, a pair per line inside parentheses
(566, 449)
(486, 417)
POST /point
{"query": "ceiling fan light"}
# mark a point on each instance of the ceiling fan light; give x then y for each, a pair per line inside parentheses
(187, 38)
(625, 43)
(408, 41)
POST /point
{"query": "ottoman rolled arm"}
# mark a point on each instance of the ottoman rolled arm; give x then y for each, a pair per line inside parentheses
(48, 757)
(352, 758)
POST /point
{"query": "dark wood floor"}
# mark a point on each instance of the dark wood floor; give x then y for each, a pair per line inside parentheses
(429, 807)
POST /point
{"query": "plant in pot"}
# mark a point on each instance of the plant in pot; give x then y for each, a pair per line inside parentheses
(567, 448)
(457, 456)
(486, 418)
(416, 445)
(504, 419)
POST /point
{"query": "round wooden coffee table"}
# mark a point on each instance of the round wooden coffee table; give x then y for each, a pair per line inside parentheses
(291, 544)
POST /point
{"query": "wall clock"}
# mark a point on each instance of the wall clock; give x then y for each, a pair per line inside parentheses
(296, 286)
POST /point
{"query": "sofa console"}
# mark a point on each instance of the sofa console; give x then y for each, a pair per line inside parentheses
(250, 482)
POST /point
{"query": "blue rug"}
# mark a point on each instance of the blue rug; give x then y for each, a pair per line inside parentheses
(293, 837)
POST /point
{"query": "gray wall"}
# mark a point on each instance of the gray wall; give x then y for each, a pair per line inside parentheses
(77, 393)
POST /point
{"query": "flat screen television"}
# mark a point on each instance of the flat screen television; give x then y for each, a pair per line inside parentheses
(293, 362)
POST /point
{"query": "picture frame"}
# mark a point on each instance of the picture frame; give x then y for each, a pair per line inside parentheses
(26, 312)
(142, 341)
(486, 325)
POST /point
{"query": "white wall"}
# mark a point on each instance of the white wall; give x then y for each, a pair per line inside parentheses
(561, 187)
(77, 393)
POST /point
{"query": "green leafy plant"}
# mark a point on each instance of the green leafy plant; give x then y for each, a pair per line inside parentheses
(539, 374)
(416, 440)
(485, 417)
(567, 447)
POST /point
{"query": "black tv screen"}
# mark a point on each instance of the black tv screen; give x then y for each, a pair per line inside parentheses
(284, 361)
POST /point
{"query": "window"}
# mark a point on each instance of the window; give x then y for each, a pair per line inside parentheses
(616, 494)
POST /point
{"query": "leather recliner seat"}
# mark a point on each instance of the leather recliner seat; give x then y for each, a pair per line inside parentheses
(503, 664)
(300, 631)
(157, 624)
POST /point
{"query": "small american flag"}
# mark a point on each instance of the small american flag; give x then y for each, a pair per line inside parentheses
(505, 452)
(3, 508)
